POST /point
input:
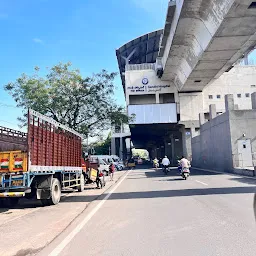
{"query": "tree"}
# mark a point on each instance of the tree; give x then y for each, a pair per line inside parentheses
(84, 104)
(102, 147)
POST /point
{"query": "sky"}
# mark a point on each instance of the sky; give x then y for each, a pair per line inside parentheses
(85, 32)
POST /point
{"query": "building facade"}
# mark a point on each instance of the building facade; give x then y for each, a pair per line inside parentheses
(165, 119)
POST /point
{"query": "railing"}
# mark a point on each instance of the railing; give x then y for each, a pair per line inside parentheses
(12, 136)
(145, 66)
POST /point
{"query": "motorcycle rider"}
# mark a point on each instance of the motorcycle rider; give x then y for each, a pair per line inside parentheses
(184, 163)
(156, 162)
(165, 162)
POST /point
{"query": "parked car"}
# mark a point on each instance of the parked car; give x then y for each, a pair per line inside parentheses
(103, 165)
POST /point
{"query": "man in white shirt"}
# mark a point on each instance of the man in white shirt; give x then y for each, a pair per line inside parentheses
(165, 161)
(184, 163)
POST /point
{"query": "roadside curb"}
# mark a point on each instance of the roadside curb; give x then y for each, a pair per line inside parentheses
(228, 173)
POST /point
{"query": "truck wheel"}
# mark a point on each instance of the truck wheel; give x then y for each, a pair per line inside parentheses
(82, 182)
(55, 193)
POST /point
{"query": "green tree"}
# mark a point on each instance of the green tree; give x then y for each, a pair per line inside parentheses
(85, 104)
(102, 147)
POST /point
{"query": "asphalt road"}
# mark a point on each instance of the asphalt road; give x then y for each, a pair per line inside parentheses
(152, 214)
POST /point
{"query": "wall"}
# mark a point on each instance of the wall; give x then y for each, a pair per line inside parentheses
(212, 148)
(191, 104)
(243, 122)
(239, 80)
(145, 82)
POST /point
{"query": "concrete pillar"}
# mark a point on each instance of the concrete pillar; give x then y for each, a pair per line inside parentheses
(229, 102)
(128, 146)
(157, 98)
(113, 146)
(186, 140)
(212, 111)
(253, 97)
(201, 119)
(121, 149)
(193, 132)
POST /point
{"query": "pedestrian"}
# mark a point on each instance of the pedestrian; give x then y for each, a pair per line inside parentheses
(111, 171)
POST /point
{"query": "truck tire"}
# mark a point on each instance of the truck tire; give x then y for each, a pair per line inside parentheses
(55, 193)
(82, 182)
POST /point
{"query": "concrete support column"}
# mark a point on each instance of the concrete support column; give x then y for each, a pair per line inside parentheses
(157, 98)
(186, 141)
(229, 102)
(212, 111)
(113, 146)
(128, 146)
(253, 97)
(121, 149)
(201, 119)
(193, 132)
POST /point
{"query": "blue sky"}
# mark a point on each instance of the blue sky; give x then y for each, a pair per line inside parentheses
(85, 32)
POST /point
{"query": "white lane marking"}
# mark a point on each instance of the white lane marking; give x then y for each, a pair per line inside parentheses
(201, 182)
(78, 228)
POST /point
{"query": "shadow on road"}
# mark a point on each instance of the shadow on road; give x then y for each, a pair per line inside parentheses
(174, 173)
(244, 180)
(170, 193)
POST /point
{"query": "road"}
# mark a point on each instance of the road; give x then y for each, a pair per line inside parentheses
(148, 214)
(29, 227)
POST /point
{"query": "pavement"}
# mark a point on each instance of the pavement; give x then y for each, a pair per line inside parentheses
(29, 227)
(148, 213)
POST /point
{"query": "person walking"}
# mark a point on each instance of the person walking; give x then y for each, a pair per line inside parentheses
(111, 171)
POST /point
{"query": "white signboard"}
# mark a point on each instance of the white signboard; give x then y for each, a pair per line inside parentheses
(153, 113)
(146, 82)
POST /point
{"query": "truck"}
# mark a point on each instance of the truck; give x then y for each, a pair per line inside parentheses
(40, 163)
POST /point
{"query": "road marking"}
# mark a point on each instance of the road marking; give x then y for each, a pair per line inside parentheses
(78, 228)
(201, 182)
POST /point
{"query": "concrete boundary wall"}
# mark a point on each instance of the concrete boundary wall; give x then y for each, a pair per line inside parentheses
(212, 148)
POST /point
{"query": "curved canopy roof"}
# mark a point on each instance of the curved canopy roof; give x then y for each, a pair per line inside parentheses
(143, 49)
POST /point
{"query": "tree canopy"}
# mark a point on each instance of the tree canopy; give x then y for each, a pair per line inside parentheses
(85, 104)
(102, 147)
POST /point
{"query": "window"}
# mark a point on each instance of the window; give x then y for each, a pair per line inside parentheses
(166, 98)
(247, 95)
(253, 85)
(218, 96)
(142, 99)
(239, 95)
(210, 97)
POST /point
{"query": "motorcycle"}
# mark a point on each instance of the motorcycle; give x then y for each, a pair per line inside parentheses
(165, 169)
(100, 180)
(185, 173)
(156, 165)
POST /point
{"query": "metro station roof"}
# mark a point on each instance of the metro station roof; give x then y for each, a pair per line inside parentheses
(143, 49)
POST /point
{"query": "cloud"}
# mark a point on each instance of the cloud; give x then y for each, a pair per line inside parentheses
(38, 41)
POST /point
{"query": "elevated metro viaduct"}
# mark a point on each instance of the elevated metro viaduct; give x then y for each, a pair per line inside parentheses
(170, 76)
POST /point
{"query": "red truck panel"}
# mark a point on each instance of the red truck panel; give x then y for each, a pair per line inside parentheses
(52, 144)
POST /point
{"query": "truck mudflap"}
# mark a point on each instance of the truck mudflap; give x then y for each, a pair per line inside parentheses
(12, 194)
